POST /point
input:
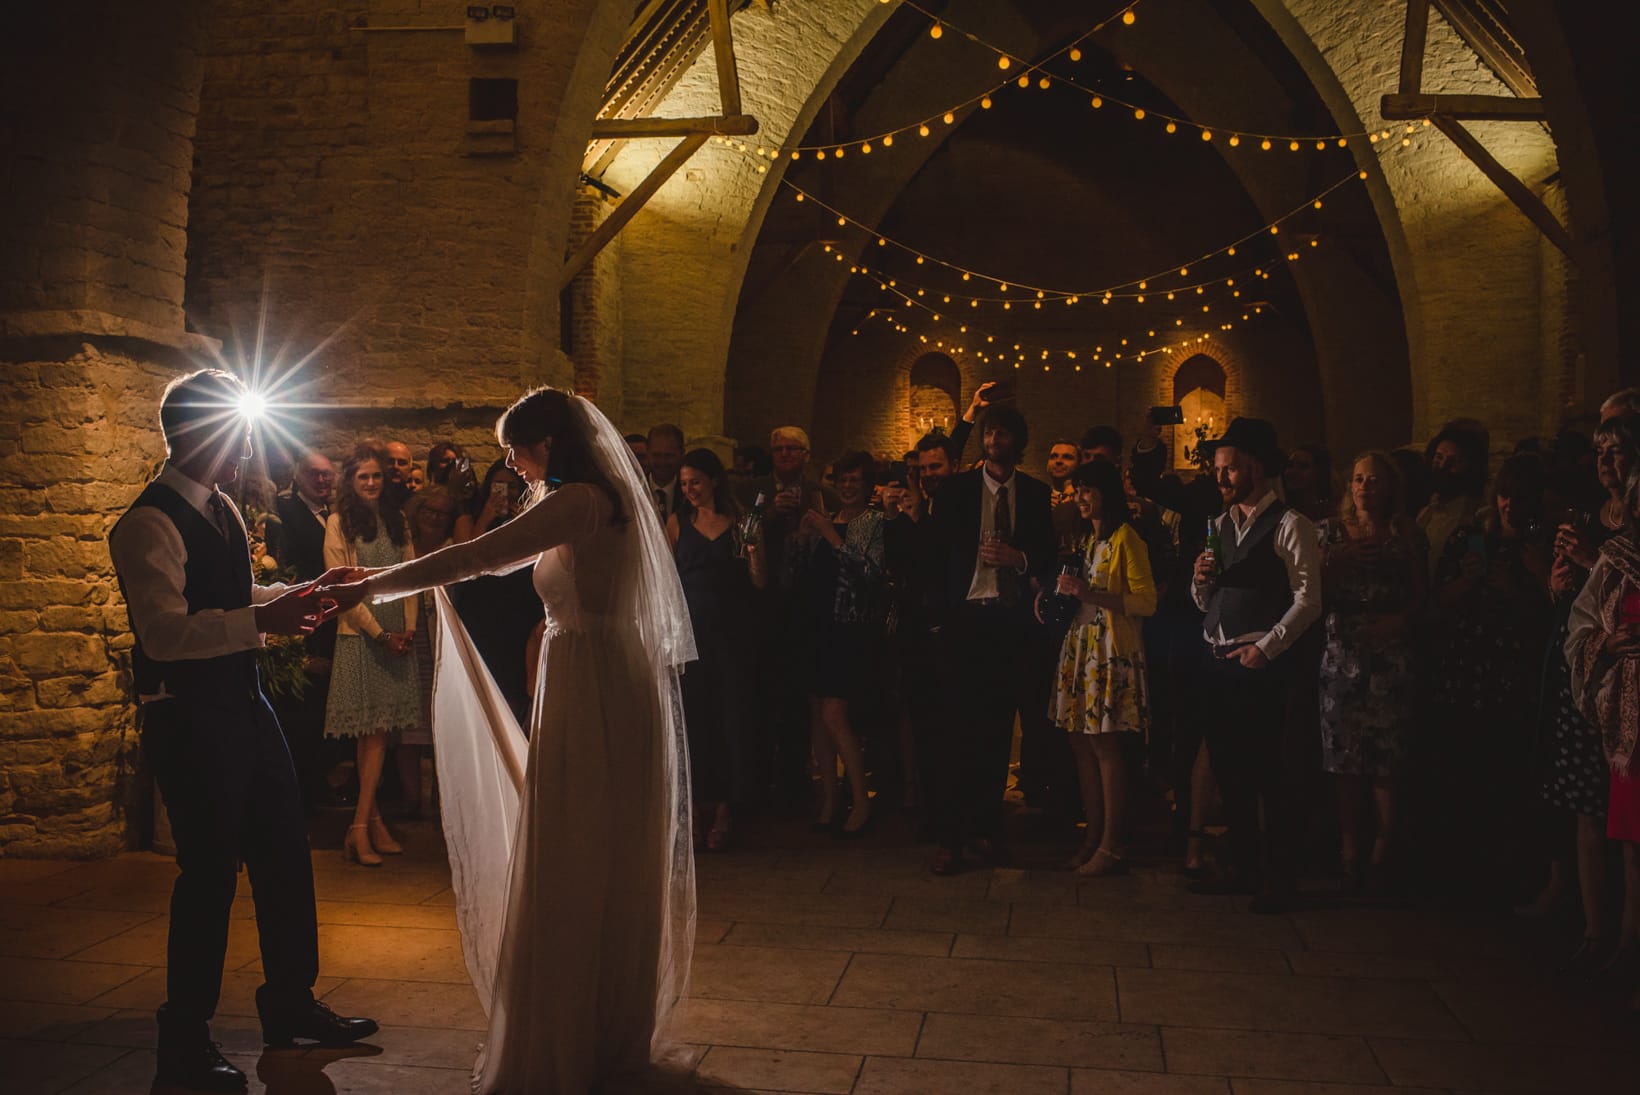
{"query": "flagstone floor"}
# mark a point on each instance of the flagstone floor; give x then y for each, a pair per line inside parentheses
(833, 969)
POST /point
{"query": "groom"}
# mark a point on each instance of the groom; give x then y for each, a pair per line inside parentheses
(224, 772)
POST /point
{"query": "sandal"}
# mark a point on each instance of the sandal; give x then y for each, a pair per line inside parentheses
(1081, 856)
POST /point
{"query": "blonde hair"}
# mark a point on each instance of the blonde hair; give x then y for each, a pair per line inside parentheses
(1395, 518)
(796, 433)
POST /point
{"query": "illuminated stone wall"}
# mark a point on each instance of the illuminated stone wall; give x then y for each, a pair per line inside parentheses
(94, 206)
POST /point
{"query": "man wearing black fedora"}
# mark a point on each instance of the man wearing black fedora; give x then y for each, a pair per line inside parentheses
(1260, 591)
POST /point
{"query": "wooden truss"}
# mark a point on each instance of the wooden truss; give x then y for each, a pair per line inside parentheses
(665, 38)
(1447, 112)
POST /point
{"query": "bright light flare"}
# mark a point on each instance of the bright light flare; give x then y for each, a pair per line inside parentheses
(253, 406)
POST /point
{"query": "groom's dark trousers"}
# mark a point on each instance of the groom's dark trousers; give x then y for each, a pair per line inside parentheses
(230, 789)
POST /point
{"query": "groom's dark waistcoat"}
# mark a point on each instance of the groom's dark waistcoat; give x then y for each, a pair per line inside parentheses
(217, 576)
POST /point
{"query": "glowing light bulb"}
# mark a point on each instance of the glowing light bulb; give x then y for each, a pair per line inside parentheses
(1128, 18)
(1024, 79)
(1140, 298)
(936, 31)
(985, 103)
(1003, 62)
(881, 242)
(865, 148)
(1265, 144)
(1234, 140)
(1184, 271)
(1275, 230)
(1098, 102)
(919, 260)
(922, 130)
(1321, 146)
(1043, 83)
(1207, 134)
(1343, 142)
(253, 406)
(1139, 113)
(1171, 128)
(839, 153)
(1142, 285)
(949, 117)
(1075, 54)
(966, 275)
(820, 155)
(842, 221)
(1293, 146)
(800, 193)
(1231, 251)
(888, 141)
(1003, 286)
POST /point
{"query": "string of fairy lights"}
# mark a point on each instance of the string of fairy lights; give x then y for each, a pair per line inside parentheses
(1038, 74)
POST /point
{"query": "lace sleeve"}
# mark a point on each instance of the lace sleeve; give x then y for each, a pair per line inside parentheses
(562, 517)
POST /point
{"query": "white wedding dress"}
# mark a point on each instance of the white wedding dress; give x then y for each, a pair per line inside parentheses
(570, 852)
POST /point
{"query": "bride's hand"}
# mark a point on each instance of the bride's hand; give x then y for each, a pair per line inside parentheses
(337, 599)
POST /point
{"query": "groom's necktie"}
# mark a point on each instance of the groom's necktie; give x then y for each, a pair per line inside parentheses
(220, 516)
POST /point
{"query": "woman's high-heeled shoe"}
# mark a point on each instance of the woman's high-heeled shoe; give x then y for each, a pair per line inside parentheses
(356, 847)
(843, 832)
(1199, 871)
(382, 839)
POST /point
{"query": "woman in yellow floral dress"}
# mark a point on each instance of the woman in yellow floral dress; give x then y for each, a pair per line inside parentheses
(1100, 697)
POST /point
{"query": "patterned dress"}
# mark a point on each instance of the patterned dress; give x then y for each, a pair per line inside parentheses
(1101, 687)
(373, 690)
(1575, 775)
(1367, 683)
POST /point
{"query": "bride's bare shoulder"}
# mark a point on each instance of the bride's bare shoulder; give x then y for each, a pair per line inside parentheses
(588, 504)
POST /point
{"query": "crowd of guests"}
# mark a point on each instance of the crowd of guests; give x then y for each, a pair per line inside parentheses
(1438, 662)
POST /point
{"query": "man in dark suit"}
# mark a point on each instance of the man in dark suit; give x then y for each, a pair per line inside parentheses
(993, 530)
(183, 562)
(299, 545)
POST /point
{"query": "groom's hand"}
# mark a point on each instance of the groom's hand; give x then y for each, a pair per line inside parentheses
(338, 599)
(297, 611)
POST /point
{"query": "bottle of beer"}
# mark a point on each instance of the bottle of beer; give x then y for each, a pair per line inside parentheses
(1213, 544)
(1059, 609)
(751, 525)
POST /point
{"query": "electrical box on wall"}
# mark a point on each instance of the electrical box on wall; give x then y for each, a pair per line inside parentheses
(491, 25)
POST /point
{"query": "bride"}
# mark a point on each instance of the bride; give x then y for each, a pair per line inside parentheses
(570, 852)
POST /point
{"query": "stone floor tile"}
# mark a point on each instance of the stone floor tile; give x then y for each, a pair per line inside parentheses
(914, 881)
(135, 1029)
(1007, 1040)
(415, 954)
(1314, 1057)
(777, 975)
(445, 897)
(360, 1075)
(29, 870)
(28, 931)
(144, 945)
(820, 909)
(1544, 1015)
(974, 915)
(1082, 952)
(59, 981)
(865, 940)
(426, 1047)
(850, 1030)
(1175, 956)
(1090, 1081)
(409, 1003)
(44, 890)
(898, 1076)
(1049, 887)
(383, 886)
(734, 1069)
(1187, 927)
(1308, 963)
(48, 1022)
(1316, 1005)
(43, 1068)
(1515, 1070)
(375, 914)
(979, 986)
(1405, 932)
(726, 874)
(711, 931)
(1246, 1086)
(239, 987)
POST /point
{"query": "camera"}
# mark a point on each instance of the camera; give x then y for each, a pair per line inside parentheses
(1166, 416)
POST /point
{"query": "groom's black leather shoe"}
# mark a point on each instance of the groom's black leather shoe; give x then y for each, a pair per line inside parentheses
(199, 1067)
(314, 1022)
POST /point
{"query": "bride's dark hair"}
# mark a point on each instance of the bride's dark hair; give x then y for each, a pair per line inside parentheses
(543, 413)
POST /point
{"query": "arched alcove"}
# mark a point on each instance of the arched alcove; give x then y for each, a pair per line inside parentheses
(933, 394)
(1199, 390)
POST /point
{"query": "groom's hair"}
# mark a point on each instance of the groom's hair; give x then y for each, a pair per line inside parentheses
(199, 401)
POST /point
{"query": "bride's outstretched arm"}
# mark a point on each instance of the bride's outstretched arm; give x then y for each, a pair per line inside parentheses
(568, 514)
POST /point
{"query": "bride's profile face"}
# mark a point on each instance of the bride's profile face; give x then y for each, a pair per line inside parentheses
(530, 461)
